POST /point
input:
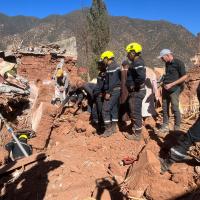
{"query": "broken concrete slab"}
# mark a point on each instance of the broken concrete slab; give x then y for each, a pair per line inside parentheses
(142, 174)
(42, 122)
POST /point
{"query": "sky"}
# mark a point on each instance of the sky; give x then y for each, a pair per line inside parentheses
(182, 12)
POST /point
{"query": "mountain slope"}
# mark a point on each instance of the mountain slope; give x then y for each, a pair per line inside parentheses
(153, 35)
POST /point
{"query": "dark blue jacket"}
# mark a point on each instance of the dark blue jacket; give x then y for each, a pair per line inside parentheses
(112, 77)
(136, 75)
(85, 91)
(100, 84)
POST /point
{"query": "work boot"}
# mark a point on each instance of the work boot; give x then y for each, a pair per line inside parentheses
(108, 130)
(135, 135)
(165, 165)
(100, 128)
(163, 131)
(114, 127)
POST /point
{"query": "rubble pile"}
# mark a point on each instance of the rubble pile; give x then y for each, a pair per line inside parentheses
(81, 165)
(7, 100)
(195, 151)
(41, 67)
(189, 102)
(61, 48)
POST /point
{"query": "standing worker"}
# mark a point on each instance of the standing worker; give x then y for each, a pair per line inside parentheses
(136, 87)
(98, 94)
(179, 152)
(112, 93)
(61, 86)
(174, 77)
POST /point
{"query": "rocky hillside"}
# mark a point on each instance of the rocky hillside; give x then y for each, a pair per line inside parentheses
(153, 35)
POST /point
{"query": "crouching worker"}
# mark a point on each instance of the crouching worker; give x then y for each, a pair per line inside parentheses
(112, 93)
(136, 86)
(13, 149)
(179, 153)
(98, 94)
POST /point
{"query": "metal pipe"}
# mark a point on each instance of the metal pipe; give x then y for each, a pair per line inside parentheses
(10, 130)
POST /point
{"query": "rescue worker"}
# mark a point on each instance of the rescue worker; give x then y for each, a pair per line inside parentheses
(174, 77)
(178, 153)
(136, 87)
(61, 86)
(112, 93)
(98, 94)
(14, 151)
(58, 66)
(84, 91)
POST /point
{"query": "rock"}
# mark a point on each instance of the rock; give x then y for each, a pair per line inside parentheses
(80, 127)
(94, 147)
(197, 170)
(178, 169)
(182, 179)
(142, 174)
(3, 155)
(57, 143)
(44, 126)
(64, 129)
(164, 189)
(84, 116)
(75, 169)
(90, 131)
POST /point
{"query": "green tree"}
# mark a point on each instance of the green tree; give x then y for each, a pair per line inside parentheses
(98, 23)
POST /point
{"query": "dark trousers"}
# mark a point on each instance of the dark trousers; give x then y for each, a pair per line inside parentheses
(124, 111)
(179, 152)
(111, 108)
(97, 109)
(172, 98)
(135, 106)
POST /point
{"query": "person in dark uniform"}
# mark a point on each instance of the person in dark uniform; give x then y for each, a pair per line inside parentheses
(83, 95)
(178, 153)
(14, 151)
(136, 87)
(98, 94)
(112, 93)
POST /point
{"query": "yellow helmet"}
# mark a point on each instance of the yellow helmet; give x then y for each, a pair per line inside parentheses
(134, 47)
(59, 73)
(107, 54)
(23, 136)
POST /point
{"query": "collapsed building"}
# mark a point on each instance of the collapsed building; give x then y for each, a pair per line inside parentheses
(80, 164)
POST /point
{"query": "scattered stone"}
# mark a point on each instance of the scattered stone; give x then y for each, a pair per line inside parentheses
(164, 189)
(197, 169)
